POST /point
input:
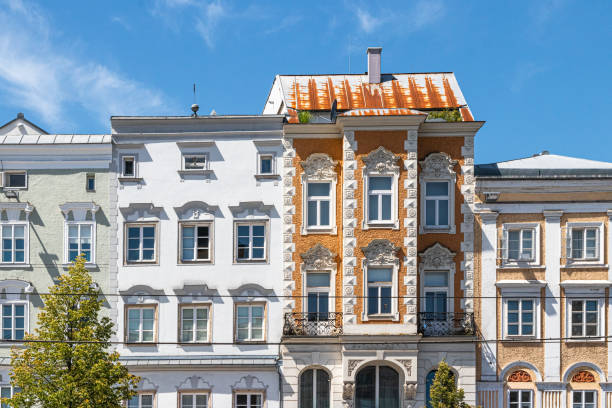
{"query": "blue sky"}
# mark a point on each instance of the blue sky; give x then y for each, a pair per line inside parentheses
(537, 71)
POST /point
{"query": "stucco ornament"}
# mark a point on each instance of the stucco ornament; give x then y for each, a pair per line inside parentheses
(519, 376)
(351, 366)
(318, 258)
(583, 377)
(381, 160)
(348, 390)
(410, 390)
(319, 166)
(381, 251)
(437, 256)
(407, 365)
(249, 382)
(438, 165)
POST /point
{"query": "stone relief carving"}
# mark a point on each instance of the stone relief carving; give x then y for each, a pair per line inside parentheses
(437, 257)
(194, 383)
(438, 165)
(519, 376)
(351, 366)
(381, 160)
(407, 365)
(319, 166)
(318, 257)
(348, 390)
(249, 382)
(381, 251)
(194, 210)
(583, 377)
(410, 390)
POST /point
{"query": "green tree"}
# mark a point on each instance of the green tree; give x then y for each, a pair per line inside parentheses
(444, 392)
(66, 362)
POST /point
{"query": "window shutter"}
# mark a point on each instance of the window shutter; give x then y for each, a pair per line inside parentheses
(1, 179)
(568, 243)
(504, 245)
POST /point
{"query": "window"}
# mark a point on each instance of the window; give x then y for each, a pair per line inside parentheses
(195, 242)
(249, 400)
(314, 389)
(90, 182)
(13, 321)
(141, 401)
(436, 295)
(250, 322)
(194, 323)
(128, 166)
(520, 399)
(251, 242)
(584, 243)
(195, 400)
(7, 391)
(80, 241)
(13, 243)
(379, 291)
(319, 201)
(584, 318)
(584, 399)
(141, 324)
(266, 164)
(437, 204)
(520, 317)
(380, 194)
(317, 287)
(141, 243)
(520, 245)
(15, 180)
(377, 387)
(195, 162)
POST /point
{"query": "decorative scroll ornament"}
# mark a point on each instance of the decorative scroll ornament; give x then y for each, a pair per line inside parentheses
(438, 165)
(351, 366)
(381, 251)
(583, 377)
(381, 160)
(407, 365)
(318, 258)
(348, 390)
(319, 166)
(519, 376)
(437, 257)
(410, 390)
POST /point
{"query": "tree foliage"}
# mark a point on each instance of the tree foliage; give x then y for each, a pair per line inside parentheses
(444, 392)
(66, 362)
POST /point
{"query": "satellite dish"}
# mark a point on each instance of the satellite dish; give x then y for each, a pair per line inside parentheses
(334, 111)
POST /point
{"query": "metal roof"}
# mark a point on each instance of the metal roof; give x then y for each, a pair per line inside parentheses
(54, 139)
(382, 112)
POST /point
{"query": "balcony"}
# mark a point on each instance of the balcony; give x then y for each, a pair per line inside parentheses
(446, 324)
(312, 324)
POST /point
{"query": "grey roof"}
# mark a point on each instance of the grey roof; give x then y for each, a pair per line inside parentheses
(54, 139)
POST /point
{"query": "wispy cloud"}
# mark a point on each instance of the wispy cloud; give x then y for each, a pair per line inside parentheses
(524, 73)
(543, 11)
(421, 14)
(207, 22)
(285, 23)
(122, 22)
(40, 73)
(367, 21)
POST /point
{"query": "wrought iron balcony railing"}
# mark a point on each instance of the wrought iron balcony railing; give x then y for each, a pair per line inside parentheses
(446, 324)
(313, 324)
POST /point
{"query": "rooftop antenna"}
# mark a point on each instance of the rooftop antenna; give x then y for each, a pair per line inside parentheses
(194, 107)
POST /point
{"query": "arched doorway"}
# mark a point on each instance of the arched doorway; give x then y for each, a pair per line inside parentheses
(314, 389)
(377, 387)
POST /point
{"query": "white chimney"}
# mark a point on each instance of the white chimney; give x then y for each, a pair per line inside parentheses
(374, 64)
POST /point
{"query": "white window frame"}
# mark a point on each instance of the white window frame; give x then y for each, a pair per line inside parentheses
(431, 172)
(134, 158)
(195, 306)
(26, 319)
(250, 259)
(520, 393)
(318, 199)
(521, 290)
(318, 289)
(67, 226)
(185, 155)
(585, 292)
(250, 338)
(437, 200)
(449, 291)
(394, 315)
(155, 259)
(583, 324)
(534, 312)
(11, 388)
(140, 394)
(393, 222)
(273, 169)
(583, 403)
(196, 224)
(570, 226)
(505, 245)
(141, 307)
(5, 179)
(249, 393)
(330, 176)
(26, 244)
(193, 395)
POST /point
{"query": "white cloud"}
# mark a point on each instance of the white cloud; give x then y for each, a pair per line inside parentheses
(285, 23)
(367, 21)
(420, 15)
(121, 21)
(523, 74)
(207, 21)
(39, 73)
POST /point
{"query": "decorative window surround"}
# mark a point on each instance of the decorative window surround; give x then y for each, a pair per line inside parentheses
(319, 259)
(248, 386)
(586, 290)
(142, 296)
(504, 247)
(381, 253)
(194, 382)
(190, 336)
(77, 214)
(468, 189)
(381, 163)
(252, 210)
(197, 213)
(140, 212)
(438, 258)
(410, 223)
(349, 242)
(124, 173)
(599, 260)
(319, 167)
(438, 167)
(288, 226)
(521, 290)
(16, 214)
(262, 156)
(15, 293)
(5, 181)
(14, 211)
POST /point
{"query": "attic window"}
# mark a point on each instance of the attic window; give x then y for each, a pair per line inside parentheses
(15, 180)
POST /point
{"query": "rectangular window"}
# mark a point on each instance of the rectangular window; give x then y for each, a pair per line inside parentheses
(195, 162)
(80, 241)
(13, 321)
(436, 295)
(380, 195)
(141, 324)
(194, 323)
(584, 318)
(520, 399)
(13, 243)
(319, 202)
(266, 164)
(90, 182)
(250, 400)
(195, 242)
(520, 317)
(128, 166)
(250, 322)
(437, 203)
(380, 283)
(8, 391)
(317, 287)
(141, 243)
(521, 245)
(584, 399)
(584, 243)
(15, 180)
(195, 400)
(141, 401)
(251, 242)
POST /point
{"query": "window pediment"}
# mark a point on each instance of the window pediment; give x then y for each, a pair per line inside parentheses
(318, 258)
(79, 211)
(250, 292)
(319, 166)
(196, 210)
(249, 382)
(438, 165)
(16, 211)
(381, 251)
(438, 257)
(194, 383)
(141, 212)
(381, 160)
(251, 209)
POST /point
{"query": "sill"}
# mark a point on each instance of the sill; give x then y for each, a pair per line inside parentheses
(381, 317)
(195, 172)
(130, 179)
(250, 261)
(381, 225)
(583, 265)
(141, 263)
(194, 343)
(267, 176)
(7, 189)
(437, 230)
(242, 342)
(135, 344)
(521, 266)
(195, 263)
(15, 266)
(327, 230)
(595, 339)
(519, 339)
(87, 265)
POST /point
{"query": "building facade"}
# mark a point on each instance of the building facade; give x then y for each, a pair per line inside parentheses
(54, 204)
(197, 256)
(377, 237)
(543, 276)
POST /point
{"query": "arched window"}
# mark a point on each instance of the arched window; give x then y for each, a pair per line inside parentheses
(428, 383)
(377, 387)
(314, 389)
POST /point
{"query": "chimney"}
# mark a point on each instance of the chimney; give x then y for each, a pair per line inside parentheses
(374, 64)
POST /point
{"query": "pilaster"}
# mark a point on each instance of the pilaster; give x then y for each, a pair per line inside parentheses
(410, 223)
(349, 223)
(552, 307)
(467, 226)
(488, 322)
(288, 174)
